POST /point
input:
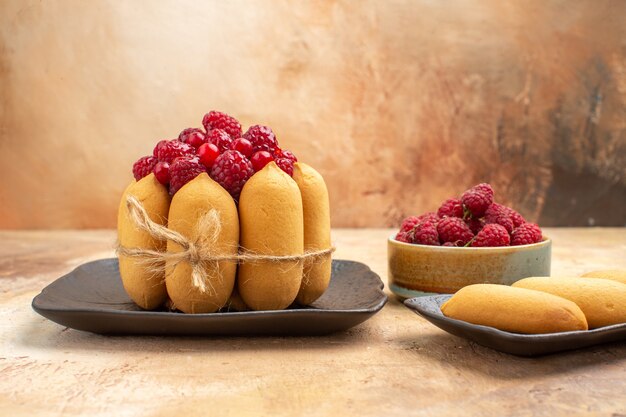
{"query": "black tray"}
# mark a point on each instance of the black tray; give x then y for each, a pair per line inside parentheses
(514, 343)
(92, 298)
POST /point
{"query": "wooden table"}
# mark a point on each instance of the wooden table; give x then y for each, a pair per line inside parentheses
(394, 364)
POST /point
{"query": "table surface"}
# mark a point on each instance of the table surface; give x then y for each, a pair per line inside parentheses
(394, 364)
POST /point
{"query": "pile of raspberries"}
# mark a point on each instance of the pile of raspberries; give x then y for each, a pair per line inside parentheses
(473, 220)
(220, 149)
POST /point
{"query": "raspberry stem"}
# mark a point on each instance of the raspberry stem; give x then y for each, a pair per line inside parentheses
(466, 213)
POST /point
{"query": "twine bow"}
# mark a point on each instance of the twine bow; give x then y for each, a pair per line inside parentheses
(200, 253)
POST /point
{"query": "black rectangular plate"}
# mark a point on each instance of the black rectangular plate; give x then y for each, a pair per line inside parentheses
(513, 343)
(92, 298)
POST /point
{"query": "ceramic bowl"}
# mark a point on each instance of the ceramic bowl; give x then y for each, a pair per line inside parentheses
(417, 270)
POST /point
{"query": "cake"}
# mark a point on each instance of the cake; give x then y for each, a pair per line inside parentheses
(221, 219)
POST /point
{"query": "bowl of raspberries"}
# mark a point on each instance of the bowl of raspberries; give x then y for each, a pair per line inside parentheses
(470, 239)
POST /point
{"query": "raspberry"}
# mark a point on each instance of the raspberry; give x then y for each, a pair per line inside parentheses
(453, 229)
(484, 188)
(158, 146)
(497, 214)
(517, 218)
(504, 221)
(452, 207)
(448, 244)
(280, 153)
(172, 149)
(286, 165)
(285, 160)
(220, 138)
(494, 210)
(526, 234)
(424, 234)
(182, 136)
(475, 224)
(183, 170)
(289, 155)
(429, 217)
(409, 223)
(143, 166)
(476, 201)
(262, 139)
(196, 139)
(231, 170)
(218, 120)
(403, 237)
(492, 235)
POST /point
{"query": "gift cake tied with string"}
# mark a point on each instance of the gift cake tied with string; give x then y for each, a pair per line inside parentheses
(223, 220)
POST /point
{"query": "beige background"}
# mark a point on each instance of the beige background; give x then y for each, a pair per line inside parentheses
(399, 104)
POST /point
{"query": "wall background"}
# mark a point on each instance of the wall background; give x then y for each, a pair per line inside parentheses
(399, 104)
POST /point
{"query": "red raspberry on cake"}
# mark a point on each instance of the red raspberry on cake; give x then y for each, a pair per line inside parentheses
(284, 153)
(285, 160)
(453, 229)
(183, 170)
(172, 149)
(526, 234)
(220, 138)
(492, 235)
(231, 170)
(262, 138)
(218, 120)
(478, 199)
(182, 136)
(195, 139)
(424, 233)
(452, 207)
(158, 146)
(289, 155)
(144, 166)
(286, 165)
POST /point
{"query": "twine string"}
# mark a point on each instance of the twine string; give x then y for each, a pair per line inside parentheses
(199, 253)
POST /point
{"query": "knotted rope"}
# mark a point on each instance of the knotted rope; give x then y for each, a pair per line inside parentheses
(199, 253)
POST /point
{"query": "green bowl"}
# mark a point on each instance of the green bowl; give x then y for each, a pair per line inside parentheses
(418, 270)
